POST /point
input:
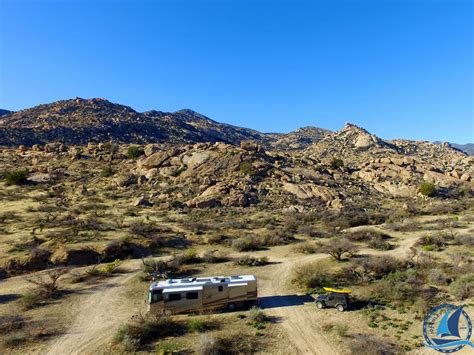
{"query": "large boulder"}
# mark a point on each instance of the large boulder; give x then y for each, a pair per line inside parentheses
(125, 180)
(156, 160)
(309, 191)
(251, 146)
(197, 159)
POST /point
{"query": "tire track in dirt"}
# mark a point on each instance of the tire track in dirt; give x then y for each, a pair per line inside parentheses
(97, 317)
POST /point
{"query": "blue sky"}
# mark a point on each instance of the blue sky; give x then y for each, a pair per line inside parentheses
(399, 68)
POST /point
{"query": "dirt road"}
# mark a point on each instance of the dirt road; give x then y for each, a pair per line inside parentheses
(296, 314)
(97, 317)
(99, 314)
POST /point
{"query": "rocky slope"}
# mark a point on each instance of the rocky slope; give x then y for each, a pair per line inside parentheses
(79, 121)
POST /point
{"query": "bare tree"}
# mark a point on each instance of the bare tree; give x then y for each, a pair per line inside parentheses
(337, 248)
(156, 269)
(48, 282)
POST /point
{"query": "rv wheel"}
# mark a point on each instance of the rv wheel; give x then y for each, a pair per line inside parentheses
(231, 306)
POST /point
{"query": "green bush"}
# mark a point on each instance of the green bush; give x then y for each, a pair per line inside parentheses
(305, 248)
(248, 260)
(17, 177)
(200, 324)
(427, 189)
(337, 163)
(463, 287)
(134, 152)
(246, 167)
(140, 330)
(30, 299)
(168, 347)
(256, 315)
(247, 243)
(311, 275)
(107, 171)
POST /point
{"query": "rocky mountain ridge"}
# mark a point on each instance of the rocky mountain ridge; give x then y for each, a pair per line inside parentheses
(80, 121)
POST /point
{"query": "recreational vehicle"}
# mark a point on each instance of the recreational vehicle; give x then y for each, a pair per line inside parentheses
(206, 293)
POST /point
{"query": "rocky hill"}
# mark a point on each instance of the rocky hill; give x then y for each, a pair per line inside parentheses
(79, 121)
(467, 148)
(296, 140)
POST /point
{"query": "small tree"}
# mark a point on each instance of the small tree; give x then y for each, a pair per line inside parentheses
(134, 152)
(427, 189)
(17, 177)
(338, 247)
(48, 283)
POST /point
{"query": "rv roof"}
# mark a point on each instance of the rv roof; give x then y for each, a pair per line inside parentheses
(200, 281)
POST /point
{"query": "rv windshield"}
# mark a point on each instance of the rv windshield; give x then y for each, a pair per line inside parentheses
(155, 296)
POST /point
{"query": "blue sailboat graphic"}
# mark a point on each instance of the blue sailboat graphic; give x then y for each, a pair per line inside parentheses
(449, 327)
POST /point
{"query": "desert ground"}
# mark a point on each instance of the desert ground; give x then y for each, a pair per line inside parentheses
(89, 307)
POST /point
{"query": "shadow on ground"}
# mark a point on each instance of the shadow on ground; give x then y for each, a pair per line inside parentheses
(8, 298)
(284, 301)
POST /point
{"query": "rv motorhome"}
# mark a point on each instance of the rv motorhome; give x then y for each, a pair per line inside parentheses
(206, 293)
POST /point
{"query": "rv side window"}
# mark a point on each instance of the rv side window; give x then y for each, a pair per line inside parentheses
(156, 296)
(174, 297)
(192, 295)
(221, 288)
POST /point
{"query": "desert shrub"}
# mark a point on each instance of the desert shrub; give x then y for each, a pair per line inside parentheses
(348, 217)
(16, 177)
(467, 240)
(311, 275)
(169, 347)
(144, 229)
(213, 256)
(107, 171)
(337, 163)
(47, 287)
(370, 345)
(374, 239)
(104, 270)
(280, 237)
(248, 260)
(427, 189)
(190, 256)
(379, 266)
(14, 341)
(257, 316)
(142, 329)
(30, 299)
(231, 343)
(341, 329)
(379, 243)
(339, 247)
(247, 243)
(463, 287)
(200, 325)
(246, 167)
(217, 239)
(305, 248)
(11, 323)
(432, 242)
(134, 152)
(437, 277)
(398, 287)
